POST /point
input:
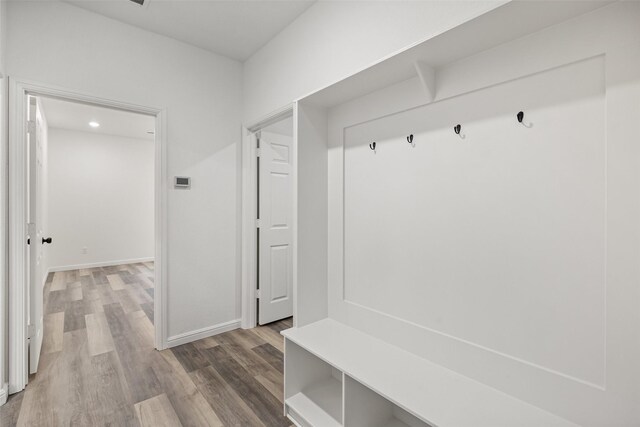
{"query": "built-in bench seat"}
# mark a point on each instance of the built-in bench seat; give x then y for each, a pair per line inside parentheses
(336, 375)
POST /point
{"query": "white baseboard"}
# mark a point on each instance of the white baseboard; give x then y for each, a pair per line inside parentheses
(199, 334)
(4, 393)
(99, 264)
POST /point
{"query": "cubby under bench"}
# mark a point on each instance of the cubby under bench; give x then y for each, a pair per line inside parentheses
(336, 375)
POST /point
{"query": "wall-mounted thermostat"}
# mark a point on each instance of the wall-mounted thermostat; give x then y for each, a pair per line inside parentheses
(182, 182)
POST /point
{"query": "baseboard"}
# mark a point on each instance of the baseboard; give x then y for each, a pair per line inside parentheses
(99, 264)
(4, 393)
(199, 334)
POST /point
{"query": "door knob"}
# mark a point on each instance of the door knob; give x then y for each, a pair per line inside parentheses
(47, 240)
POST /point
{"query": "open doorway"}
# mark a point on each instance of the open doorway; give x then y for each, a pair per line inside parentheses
(91, 220)
(88, 187)
(268, 247)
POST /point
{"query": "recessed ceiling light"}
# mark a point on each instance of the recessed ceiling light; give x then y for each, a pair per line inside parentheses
(94, 124)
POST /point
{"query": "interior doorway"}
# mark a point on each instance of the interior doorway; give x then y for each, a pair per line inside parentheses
(268, 226)
(85, 221)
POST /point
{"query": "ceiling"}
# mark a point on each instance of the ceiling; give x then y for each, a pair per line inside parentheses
(75, 116)
(234, 28)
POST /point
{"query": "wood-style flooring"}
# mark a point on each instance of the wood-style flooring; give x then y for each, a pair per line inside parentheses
(98, 366)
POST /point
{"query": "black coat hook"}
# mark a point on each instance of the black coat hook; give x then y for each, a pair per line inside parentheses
(520, 117)
(457, 129)
(373, 146)
(410, 140)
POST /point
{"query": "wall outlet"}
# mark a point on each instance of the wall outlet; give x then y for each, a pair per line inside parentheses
(84, 251)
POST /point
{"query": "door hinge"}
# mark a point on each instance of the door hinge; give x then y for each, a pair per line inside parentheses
(257, 293)
(31, 331)
(258, 223)
(31, 126)
(258, 152)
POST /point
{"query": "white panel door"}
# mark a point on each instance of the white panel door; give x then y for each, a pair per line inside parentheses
(275, 259)
(36, 133)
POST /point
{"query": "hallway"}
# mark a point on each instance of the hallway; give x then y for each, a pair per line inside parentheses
(98, 365)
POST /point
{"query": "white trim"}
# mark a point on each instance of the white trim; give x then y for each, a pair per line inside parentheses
(4, 393)
(294, 218)
(199, 334)
(249, 198)
(17, 240)
(249, 231)
(98, 264)
(18, 90)
(274, 117)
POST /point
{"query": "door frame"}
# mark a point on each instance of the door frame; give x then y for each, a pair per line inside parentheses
(250, 207)
(19, 90)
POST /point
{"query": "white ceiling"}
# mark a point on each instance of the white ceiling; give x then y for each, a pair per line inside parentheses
(75, 116)
(234, 28)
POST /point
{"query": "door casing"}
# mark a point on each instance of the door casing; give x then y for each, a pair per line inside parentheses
(17, 283)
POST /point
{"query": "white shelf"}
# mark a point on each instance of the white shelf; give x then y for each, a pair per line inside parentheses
(500, 25)
(366, 408)
(320, 404)
(430, 392)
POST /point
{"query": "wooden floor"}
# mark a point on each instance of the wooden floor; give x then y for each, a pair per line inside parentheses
(98, 366)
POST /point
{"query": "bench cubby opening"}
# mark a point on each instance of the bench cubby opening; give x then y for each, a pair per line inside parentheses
(313, 389)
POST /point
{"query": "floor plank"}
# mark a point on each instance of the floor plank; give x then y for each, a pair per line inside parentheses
(157, 412)
(270, 354)
(112, 402)
(230, 407)
(59, 282)
(148, 310)
(262, 403)
(53, 333)
(191, 407)
(135, 359)
(115, 281)
(74, 316)
(269, 335)
(99, 334)
(190, 357)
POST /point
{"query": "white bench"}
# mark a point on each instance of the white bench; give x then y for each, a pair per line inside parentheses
(336, 375)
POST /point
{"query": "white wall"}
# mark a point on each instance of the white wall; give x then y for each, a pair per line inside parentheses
(334, 39)
(100, 197)
(61, 45)
(482, 228)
